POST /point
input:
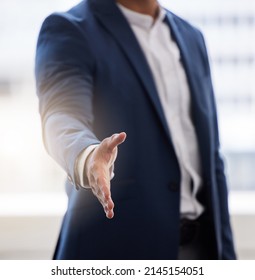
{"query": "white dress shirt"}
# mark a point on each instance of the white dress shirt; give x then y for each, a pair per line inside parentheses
(163, 57)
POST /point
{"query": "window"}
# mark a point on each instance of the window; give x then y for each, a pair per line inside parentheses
(229, 28)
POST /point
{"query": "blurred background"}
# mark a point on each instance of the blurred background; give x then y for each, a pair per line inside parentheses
(32, 198)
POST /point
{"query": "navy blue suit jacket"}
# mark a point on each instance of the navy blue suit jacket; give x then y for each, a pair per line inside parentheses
(92, 81)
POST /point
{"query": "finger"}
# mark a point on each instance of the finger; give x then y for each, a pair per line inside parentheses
(107, 205)
(116, 139)
(105, 197)
(110, 214)
(109, 209)
(104, 187)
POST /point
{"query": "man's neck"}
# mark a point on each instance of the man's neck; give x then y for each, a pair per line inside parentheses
(147, 7)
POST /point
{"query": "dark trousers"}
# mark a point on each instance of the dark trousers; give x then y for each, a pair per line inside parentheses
(197, 240)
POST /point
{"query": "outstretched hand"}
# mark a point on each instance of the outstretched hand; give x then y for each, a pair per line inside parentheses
(98, 167)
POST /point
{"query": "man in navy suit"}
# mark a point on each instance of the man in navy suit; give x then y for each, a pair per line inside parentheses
(130, 71)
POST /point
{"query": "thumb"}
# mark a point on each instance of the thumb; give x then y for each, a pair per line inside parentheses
(116, 139)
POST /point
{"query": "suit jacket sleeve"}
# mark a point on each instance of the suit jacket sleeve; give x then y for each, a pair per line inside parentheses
(226, 233)
(64, 78)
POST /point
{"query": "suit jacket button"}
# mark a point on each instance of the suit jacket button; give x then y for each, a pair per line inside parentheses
(173, 186)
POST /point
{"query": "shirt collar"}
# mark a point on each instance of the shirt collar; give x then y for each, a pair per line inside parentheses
(141, 20)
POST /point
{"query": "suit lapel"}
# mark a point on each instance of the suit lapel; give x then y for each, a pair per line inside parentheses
(111, 18)
(199, 106)
(187, 60)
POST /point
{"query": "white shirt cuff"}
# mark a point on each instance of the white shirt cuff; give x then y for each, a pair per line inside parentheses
(82, 182)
